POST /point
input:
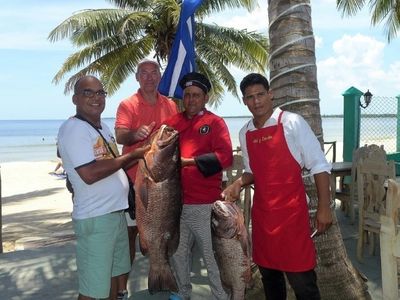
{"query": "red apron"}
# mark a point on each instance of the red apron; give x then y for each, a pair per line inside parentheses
(280, 219)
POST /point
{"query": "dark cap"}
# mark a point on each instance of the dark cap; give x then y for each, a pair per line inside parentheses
(195, 79)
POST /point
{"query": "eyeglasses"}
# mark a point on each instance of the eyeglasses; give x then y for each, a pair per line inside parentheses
(90, 93)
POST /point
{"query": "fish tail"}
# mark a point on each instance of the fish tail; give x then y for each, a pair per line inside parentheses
(237, 294)
(161, 279)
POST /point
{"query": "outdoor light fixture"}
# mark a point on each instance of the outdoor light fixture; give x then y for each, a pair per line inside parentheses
(367, 99)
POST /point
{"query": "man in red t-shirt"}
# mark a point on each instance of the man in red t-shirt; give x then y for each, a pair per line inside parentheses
(137, 116)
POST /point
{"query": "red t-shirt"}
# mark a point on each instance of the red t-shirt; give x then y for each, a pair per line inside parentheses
(135, 111)
(205, 133)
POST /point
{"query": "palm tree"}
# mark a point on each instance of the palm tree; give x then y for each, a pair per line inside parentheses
(381, 10)
(113, 41)
(293, 78)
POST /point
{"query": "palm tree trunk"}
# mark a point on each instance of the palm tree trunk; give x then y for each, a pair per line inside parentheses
(293, 79)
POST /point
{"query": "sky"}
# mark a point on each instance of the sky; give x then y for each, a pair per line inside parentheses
(350, 52)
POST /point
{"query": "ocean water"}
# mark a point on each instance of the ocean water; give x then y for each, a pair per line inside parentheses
(35, 140)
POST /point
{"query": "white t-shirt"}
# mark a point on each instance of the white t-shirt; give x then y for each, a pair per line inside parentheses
(80, 144)
(301, 140)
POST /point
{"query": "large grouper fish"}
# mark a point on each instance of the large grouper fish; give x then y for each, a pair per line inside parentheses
(159, 205)
(232, 248)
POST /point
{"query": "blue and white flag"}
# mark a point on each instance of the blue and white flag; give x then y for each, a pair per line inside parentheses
(182, 57)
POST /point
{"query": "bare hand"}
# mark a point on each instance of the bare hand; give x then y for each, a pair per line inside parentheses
(232, 192)
(139, 152)
(323, 219)
(144, 131)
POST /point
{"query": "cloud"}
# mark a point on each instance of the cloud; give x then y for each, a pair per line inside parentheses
(257, 20)
(359, 61)
(354, 60)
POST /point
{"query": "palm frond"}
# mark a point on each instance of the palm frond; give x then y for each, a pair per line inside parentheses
(113, 41)
(243, 49)
(389, 10)
(97, 57)
(140, 5)
(87, 26)
(214, 6)
(349, 7)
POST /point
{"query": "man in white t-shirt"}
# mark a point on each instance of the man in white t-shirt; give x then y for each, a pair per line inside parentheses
(100, 192)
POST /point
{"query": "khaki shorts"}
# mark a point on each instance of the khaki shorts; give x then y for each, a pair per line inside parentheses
(102, 252)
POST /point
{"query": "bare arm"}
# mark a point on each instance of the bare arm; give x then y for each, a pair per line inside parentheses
(324, 213)
(232, 192)
(100, 169)
(129, 137)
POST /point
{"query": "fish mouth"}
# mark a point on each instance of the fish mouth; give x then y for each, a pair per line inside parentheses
(161, 159)
(166, 136)
(224, 219)
(221, 208)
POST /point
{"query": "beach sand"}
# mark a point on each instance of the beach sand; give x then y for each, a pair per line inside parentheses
(36, 206)
(36, 210)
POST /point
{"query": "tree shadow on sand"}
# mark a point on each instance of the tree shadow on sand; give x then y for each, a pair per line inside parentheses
(30, 195)
(42, 273)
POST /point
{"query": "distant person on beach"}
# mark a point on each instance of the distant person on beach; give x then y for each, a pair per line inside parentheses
(137, 116)
(276, 146)
(206, 150)
(87, 148)
(59, 166)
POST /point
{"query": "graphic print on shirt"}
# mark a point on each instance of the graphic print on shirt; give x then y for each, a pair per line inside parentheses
(101, 151)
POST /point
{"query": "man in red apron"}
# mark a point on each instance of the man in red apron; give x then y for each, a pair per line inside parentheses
(276, 146)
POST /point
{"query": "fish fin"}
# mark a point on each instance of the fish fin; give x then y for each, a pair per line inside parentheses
(248, 279)
(237, 294)
(144, 195)
(161, 279)
(143, 248)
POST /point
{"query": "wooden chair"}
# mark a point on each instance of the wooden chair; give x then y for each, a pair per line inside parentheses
(348, 193)
(236, 170)
(390, 242)
(371, 176)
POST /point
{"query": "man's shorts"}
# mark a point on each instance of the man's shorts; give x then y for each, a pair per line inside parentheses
(102, 252)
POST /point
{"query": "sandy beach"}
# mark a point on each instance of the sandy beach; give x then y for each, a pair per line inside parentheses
(36, 206)
(36, 210)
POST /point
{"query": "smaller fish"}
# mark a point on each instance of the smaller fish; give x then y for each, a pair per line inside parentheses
(232, 248)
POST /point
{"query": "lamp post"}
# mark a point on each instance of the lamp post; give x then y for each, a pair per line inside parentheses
(367, 99)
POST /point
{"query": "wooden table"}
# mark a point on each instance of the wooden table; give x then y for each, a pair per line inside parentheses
(341, 168)
(342, 191)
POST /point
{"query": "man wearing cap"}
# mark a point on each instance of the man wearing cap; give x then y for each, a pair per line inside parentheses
(137, 116)
(206, 150)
